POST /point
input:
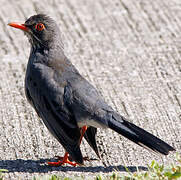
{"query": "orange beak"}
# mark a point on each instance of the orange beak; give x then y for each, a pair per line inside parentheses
(19, 26)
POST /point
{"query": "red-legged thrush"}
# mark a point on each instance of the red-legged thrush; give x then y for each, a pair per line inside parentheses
(68, 104)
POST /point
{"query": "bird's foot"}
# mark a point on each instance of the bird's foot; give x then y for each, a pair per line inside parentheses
(60, 163)
(67, 160)
(62, 160)
(70, 158)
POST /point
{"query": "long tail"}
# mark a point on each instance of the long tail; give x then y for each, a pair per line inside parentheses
(138, 135)
(90, 136)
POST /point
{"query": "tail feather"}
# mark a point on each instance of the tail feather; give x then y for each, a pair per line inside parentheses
(90, 136)
(138, 135)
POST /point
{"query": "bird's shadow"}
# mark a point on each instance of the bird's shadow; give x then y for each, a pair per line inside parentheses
(34, 166)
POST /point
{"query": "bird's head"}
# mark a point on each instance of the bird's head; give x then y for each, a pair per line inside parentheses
(42, 31)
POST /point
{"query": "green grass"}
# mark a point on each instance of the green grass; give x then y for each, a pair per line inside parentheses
(155, 172)
(1, 173)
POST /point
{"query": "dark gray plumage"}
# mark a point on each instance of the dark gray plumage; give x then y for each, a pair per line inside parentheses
(65, 100)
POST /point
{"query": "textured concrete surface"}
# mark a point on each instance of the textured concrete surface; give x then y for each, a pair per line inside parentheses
(130, 50)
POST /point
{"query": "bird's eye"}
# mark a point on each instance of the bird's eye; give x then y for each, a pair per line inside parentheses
(39, 27)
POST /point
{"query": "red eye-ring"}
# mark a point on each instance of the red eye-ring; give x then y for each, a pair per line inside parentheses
(39, 27)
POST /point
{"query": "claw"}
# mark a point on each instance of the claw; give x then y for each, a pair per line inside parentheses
(62, 161)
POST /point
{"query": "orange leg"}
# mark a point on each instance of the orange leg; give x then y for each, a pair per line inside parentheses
(83, 130)
(66, 158)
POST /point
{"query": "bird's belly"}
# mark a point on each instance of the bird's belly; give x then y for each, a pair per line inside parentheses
(89, 122)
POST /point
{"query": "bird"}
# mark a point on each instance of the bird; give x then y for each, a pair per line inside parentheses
(71, 107)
